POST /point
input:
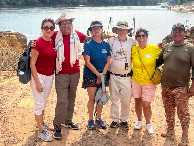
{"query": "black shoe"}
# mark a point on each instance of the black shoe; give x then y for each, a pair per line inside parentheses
(71, 125)
(57, 134)
(125, 124)
(113, 124)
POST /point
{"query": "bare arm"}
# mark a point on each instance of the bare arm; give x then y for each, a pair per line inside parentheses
(191, 89)
(107, 65)
(34, 56)
(92, 68)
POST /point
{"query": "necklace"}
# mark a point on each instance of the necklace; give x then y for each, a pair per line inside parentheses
(122, 50)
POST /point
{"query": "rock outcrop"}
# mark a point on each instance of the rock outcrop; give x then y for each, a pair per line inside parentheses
(186, 7)
(12, 44)
(189, 36)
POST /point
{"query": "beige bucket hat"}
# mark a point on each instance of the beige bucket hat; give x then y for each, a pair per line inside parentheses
(122, 25)
(63, 16)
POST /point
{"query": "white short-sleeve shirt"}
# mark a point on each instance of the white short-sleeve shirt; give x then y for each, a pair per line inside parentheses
(120, 54)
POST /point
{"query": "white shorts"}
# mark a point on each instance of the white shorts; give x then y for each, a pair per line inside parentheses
(40, 98)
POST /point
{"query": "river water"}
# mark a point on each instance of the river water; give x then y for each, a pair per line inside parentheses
(155, 19)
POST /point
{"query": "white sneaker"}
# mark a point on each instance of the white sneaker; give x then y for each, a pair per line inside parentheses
(44, 136)
(149, 129)
(46, 127)
(138, 126)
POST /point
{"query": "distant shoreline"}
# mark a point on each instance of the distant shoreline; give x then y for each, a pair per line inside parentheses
(185, 8)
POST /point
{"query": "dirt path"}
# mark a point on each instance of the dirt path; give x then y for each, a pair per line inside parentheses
(18, 124)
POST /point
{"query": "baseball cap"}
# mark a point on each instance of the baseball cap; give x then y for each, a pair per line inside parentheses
(95, 23)
(178, 25)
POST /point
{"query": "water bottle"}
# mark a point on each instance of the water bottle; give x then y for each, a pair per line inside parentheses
(163, 43)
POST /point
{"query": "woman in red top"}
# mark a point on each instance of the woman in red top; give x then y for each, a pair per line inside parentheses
(42, 67)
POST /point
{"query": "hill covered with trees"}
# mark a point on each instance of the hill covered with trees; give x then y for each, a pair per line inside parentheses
(6, 3)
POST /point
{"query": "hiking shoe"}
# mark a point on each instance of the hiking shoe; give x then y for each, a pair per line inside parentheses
(113, 124)
(44, 136)
(149, 129)
(138, 126)
(57, 134)
(91, 125)
(168, 133)
(125, 124)
(46, 127)
(100, 123)
(71, 125)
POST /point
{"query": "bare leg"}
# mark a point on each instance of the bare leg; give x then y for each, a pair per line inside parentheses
(39, 120)
(91, 102)
(138, 108)
(184, 138)
(99, 111)
(147, 111)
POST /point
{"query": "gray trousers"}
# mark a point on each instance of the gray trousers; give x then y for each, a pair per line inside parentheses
(66, 87)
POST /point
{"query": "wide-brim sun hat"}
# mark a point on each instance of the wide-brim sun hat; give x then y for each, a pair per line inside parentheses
(95, 23)
(63, 17)
(122, 25)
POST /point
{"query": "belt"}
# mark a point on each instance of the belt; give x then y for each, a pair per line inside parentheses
(121, 75)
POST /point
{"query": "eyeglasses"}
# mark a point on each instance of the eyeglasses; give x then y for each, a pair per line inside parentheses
(96, 28)
(47, 28)
(144, 35)
(67, 22)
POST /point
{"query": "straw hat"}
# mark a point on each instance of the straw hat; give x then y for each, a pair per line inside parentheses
(63, 17)
(122, 25)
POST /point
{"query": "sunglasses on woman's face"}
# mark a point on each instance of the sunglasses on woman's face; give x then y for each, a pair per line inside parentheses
(144, 35)
(47, 28)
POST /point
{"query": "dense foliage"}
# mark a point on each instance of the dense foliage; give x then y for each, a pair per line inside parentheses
(5, 3)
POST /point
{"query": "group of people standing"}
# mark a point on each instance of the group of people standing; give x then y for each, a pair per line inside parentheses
(129, 62)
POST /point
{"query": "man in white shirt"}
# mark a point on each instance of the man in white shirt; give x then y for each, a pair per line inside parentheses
(120, 73)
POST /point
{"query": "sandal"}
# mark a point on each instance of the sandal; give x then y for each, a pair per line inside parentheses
(183, 143)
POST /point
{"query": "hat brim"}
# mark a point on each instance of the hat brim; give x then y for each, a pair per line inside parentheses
(90, 28)
(63, 19)
(183, 28)
(114, 29)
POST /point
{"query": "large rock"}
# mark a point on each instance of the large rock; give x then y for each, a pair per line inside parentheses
(12, 44)
(189, 36)
(13, 40)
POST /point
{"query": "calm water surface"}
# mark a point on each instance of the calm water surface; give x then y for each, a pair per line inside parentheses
(155, 19)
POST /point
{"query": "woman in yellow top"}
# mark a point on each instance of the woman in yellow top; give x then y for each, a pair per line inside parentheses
(144, 58)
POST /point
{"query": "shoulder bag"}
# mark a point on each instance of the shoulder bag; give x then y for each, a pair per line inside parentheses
(102, 96)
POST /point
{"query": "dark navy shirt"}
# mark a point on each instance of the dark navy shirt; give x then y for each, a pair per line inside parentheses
(98, 53)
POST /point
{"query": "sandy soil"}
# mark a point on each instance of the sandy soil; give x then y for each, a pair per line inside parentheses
(18, 124)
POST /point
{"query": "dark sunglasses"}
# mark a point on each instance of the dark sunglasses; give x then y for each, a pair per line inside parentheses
(47, 28)
(63, 23)
(144, 35)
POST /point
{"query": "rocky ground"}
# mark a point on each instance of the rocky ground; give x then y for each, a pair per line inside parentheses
(17, 121)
